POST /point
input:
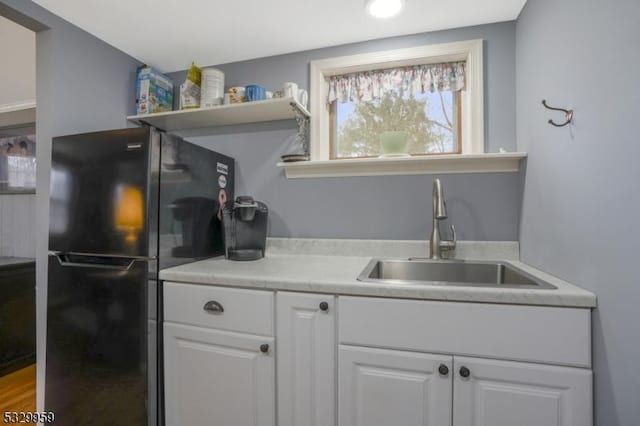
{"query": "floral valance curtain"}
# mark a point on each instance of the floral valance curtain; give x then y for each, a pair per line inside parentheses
(372, 85)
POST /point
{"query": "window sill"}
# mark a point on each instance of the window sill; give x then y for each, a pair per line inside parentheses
(451, 163)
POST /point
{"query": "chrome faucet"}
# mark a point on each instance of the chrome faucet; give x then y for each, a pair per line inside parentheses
(436, 244)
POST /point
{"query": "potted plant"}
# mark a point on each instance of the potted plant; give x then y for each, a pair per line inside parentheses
(394, 142)
(394, 139)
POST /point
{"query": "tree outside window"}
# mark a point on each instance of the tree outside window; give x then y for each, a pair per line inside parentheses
(431, 120)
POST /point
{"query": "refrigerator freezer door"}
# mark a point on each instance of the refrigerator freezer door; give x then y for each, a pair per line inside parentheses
(195, 185)
(100, 342)
(102, 195)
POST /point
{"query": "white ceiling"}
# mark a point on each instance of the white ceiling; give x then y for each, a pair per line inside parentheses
(171, 34)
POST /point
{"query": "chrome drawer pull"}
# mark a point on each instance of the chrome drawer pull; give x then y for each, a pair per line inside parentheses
(213, 307)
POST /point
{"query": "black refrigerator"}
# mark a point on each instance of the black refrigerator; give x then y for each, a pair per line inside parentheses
(123, 205)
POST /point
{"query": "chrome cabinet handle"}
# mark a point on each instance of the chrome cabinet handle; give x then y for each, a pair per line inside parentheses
(213, 307)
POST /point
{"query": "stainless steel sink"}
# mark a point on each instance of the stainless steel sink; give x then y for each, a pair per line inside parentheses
(450, 273)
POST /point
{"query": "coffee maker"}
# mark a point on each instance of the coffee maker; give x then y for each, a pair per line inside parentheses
(245, 229)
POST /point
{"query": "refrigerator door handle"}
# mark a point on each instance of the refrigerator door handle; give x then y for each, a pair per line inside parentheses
(89, 260)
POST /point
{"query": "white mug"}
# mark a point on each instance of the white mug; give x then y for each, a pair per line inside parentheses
(290, 90)
(303, 97)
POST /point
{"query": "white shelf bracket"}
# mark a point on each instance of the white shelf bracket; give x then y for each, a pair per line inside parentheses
(302, 120)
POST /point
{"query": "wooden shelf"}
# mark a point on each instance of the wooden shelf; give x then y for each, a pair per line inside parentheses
(223, 115)
(418, 165)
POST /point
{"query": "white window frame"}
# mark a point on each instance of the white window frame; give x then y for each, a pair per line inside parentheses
(470, 51)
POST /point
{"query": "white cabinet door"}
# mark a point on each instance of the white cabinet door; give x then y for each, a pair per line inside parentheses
(503, 393)
(217, 377)
(305, 326)
(379, 387)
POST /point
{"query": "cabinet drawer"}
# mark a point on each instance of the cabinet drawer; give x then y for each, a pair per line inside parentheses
(514, 332)
(247, 311)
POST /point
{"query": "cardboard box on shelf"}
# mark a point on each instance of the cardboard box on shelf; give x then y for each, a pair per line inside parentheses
(154, 91)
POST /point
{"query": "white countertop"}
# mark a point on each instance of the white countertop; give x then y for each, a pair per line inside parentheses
(10, 261)
(320, 272)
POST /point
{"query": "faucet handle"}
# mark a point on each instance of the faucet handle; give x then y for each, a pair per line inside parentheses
(450, 244)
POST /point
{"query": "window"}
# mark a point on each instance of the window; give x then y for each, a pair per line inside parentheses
(396, 125)
(446, 126)
(416, 91)
(17, 163)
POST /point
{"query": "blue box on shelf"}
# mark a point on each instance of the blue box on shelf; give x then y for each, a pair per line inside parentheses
(154, 91)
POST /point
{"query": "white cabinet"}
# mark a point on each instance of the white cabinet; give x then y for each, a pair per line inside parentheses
(362, 361)
(502, 393)
(387, 375)
(305, 326)
(219, 356)
(379, 387)
(215, 377)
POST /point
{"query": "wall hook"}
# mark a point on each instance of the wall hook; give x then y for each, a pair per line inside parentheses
(568, 113)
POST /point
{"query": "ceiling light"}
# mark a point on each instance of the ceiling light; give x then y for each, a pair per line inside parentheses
(384, 8)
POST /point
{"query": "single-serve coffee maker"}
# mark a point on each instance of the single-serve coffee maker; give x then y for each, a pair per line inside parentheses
(245, 229)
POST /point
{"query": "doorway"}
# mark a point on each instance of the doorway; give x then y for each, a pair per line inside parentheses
(17, 218)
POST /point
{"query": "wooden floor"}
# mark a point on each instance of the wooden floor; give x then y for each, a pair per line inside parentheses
(18, 390)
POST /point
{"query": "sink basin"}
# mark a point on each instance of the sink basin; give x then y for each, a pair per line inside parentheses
(450, 273)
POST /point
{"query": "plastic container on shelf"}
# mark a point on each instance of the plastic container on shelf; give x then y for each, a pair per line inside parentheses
(212, 90)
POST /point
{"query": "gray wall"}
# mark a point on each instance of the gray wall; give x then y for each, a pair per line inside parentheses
(482, 206)
(581, 201)
(18, 74)
(82, 84)
(17, 225)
